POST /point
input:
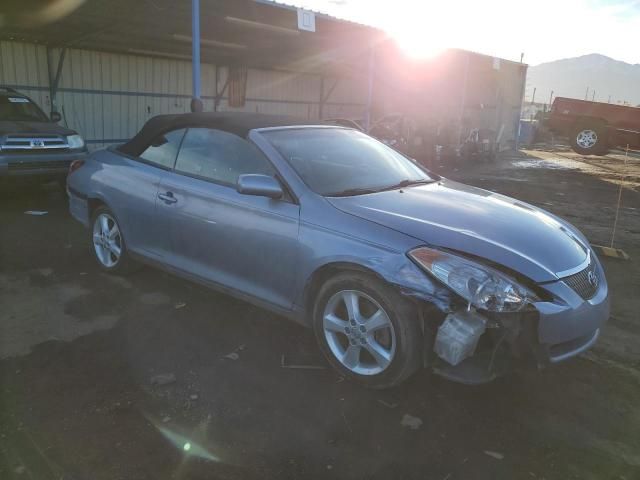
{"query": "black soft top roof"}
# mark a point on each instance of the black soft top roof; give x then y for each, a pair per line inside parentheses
(233, 122)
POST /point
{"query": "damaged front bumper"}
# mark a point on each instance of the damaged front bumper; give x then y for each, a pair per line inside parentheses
(550, 332)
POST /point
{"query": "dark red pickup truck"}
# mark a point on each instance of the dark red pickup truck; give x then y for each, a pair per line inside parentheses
(593, 127)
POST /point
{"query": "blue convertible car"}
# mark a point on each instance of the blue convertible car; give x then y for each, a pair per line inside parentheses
(394, 267)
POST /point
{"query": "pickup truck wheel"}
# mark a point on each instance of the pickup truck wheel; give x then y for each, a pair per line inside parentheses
(367, 331)
(108, 242)
(589, 139)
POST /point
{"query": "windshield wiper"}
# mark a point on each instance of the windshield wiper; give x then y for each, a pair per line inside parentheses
(407, 183)
(351, 192)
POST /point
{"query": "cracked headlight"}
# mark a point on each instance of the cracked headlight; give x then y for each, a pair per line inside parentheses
(75, 142)
(481, 286)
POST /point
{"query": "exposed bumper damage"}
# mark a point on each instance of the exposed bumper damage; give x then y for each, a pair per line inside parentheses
(548, 332)
(507, 348)
(508, 342)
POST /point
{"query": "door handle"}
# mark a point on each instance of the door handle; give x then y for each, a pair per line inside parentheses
(167, 197)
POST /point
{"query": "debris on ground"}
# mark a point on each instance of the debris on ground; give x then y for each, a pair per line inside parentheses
(45, 272)
(496, 455)
(284, 364)
(193, 397)
(346, 422)
(37, 213)
(388, 405)
(610, 252)
(154, 299)
(166, 419)
(179, 305)
(409, 421)
(20, 469)
(234, 355)
(163, 379)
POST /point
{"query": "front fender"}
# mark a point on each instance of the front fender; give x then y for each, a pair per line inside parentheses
(330, 248)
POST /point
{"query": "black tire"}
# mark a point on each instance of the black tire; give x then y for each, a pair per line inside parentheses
(405, 335)
(123, 265)
(590, 139)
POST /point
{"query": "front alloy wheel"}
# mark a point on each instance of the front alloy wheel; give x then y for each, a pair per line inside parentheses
(358, 332)
(367, 330)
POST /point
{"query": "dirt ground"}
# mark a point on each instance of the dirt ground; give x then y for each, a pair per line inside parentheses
(151, 377)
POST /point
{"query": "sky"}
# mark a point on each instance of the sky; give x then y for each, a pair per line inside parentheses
(545, 30)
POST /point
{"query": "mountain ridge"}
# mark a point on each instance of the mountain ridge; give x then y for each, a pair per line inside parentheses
(570, 77)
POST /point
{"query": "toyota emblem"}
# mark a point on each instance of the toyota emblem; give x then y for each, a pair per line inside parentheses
(593, 279)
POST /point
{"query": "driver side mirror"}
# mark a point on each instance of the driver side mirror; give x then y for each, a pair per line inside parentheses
(259, 185)
(55, 117)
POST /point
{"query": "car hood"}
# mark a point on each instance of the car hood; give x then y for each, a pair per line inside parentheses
(477, 222)
(11, 127)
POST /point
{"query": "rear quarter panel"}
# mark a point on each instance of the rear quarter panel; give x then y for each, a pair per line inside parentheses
(128, 187)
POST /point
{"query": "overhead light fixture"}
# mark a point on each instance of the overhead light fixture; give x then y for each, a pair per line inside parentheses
(209, 42)
(261, 26)
(155, 53)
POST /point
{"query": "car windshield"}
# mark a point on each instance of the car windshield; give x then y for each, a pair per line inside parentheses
(340, 162)
(20, 109)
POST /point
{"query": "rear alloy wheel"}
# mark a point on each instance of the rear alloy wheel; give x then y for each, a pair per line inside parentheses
(367, 331)
(108, 242)
(589, 140)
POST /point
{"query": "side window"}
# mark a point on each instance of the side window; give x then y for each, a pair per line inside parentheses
(219, 156)
(163, 149)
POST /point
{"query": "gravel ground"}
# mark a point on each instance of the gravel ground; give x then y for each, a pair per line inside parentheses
(151, 377)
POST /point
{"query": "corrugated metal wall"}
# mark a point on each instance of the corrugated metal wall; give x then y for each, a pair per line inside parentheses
(494, 96)
(107, 97)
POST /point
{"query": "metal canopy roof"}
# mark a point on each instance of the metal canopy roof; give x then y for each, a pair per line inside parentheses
(246, 32)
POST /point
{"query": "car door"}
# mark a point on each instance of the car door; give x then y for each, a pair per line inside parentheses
(244, 242)
(147, 231)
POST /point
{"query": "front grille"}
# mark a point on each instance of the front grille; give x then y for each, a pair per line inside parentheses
(22, 143)
(30, 152)
(37, 165)
(583, 282)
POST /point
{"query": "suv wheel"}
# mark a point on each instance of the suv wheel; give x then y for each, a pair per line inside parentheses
(367, 331)
(590, 140)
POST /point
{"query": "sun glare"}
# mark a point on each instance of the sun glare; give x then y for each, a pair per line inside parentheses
(413, 36)
(417, 45)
